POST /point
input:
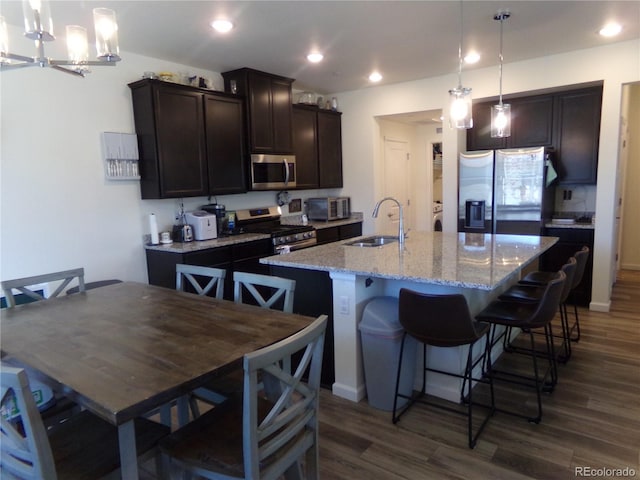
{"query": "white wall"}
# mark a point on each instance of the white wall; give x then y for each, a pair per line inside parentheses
(57, 211)
(615, 64)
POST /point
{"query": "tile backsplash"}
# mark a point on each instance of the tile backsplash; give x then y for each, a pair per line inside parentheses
(575, 199)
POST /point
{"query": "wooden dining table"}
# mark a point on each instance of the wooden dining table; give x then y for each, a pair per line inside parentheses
(123, 350)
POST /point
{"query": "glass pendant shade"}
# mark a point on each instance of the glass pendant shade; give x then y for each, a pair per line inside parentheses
(4, 36)
(106, 34)
(460, 114)
(77, 44)
(38, 24)
(501, 120)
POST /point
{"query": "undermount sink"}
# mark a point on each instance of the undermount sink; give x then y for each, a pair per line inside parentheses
(374, 241)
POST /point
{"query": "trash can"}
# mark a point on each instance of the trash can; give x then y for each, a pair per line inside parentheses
(381, 338)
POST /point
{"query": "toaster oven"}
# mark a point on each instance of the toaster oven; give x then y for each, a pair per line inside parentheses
(328, 208)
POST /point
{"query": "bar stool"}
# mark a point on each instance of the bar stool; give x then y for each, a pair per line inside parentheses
(528, 317)
(442, 321)
(530, 293)
(541, 278)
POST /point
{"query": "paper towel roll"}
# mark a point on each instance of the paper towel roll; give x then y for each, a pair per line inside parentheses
(153, 228)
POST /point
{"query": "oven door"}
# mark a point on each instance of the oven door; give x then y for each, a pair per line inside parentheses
(292, 247)
(273, 172)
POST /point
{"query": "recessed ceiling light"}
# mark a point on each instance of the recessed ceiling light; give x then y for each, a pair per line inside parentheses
(472, 57)
(611, 29)
(315, 57)
(375, 77)
(222, 26)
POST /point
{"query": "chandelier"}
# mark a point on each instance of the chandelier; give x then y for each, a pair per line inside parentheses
(39, 27)
(501, 113)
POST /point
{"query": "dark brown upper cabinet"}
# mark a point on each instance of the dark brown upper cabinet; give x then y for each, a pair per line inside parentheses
(268, 107)
(317, 142)
(567, 122)
(578, 135)
(190, 140)
(531, 124)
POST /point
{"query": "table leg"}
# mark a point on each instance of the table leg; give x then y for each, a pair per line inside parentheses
(128, 454)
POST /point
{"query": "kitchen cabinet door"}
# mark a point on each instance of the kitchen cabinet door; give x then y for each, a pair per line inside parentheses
(532, 122)
(225, 145)
(171, 140)
(268, 106)
(305, 146)
(578, 130)
(330, 149)
(479, 137)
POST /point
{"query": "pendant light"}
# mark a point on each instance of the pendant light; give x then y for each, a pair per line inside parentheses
(460, 115)
(501, 113)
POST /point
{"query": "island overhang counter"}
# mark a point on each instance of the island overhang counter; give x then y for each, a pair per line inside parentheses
(479, 266)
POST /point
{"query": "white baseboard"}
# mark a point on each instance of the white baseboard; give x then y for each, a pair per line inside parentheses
(600, 306)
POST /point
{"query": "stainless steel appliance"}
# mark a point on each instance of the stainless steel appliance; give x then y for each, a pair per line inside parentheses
(284, 238)
(504, 191)
(204, 224)
(270, 172)
(182, 233)
(328, 208)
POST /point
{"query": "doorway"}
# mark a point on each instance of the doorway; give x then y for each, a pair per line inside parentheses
(396, 184)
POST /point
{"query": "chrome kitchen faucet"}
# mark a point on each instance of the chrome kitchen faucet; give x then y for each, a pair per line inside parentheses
(401, 221)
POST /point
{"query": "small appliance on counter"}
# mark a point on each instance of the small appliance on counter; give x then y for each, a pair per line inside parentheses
(328, 208)
(220, 212)
(204, 224)
(182, 233)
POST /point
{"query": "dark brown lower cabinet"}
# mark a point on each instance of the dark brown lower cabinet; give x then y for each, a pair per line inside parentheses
(571, 240)
(161, 266)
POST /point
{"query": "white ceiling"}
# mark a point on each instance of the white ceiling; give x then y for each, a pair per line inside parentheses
(404, 40)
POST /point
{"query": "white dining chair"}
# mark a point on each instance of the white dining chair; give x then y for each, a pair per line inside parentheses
(59, 407)
(278, 288)
(84, 446)
(266, 432)
(196, 276)
(23, 285)
(279, 294)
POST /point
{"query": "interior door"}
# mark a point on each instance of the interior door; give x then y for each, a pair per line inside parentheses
(396, 183)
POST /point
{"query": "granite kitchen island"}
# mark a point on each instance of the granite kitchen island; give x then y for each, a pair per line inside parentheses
(480, 266)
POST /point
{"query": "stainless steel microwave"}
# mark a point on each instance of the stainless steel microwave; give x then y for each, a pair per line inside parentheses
(328, 208)
(269, 172)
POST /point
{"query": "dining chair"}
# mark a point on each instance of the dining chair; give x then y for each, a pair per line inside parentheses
(529, 317)
(279, 290)
(263, 433)
(23, 285)
(83, 447)
(60, 406)
(197, 275)
(443, 320)
(93, 285)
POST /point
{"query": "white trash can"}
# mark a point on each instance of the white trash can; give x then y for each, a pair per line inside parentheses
(381, 337)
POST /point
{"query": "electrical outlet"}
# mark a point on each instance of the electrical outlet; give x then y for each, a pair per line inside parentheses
(344, 305)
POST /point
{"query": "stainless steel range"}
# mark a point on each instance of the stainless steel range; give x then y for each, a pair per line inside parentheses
(285, 238)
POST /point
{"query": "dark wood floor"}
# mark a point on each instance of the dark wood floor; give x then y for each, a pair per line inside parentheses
(592, 419)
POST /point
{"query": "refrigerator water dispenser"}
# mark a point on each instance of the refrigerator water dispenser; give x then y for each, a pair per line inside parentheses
(474, 214)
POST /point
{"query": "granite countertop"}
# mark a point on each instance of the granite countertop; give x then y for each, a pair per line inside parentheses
(471, 260)
(583, 226)
(196, 245)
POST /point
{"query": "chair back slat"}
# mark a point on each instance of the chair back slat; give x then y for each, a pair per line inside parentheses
(28, 454)
(276, 437)
(284, 288)
(23, 284)
(193, 273)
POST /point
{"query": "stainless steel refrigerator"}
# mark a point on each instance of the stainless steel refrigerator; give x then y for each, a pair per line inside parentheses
(504, 191)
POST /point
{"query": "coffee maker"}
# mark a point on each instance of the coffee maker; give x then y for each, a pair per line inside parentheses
(220, 212)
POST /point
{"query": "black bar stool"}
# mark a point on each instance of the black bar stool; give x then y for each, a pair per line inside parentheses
(541, 278)
(442, 321)
(532, 293)
(528, 317)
